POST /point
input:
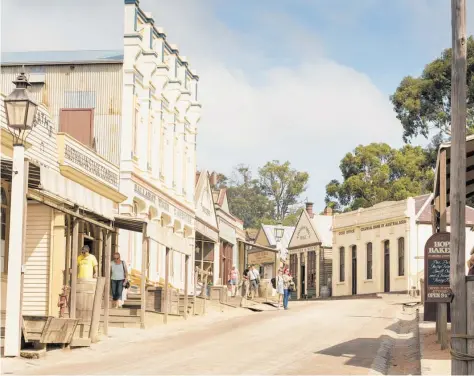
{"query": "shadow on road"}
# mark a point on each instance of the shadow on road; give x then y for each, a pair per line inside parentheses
(359, 352)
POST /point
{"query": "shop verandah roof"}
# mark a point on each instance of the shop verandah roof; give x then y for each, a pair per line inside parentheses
(469, 171)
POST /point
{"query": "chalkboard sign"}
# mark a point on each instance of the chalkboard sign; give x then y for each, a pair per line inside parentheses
(437, 267)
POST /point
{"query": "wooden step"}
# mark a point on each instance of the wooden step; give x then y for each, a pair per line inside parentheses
(123, 312)
(80, 342)
(124, 324)
(122, 319)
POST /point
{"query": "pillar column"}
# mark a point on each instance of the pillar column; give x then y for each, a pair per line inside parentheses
(16, 252)
(317, 253)
(298, 275)
(306, 269)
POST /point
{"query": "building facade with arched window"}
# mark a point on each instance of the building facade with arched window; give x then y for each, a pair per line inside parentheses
(381, 248)
(160, 113)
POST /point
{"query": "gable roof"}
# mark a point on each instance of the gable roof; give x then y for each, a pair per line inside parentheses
(321, 226)
(203, 186)
(269, 231)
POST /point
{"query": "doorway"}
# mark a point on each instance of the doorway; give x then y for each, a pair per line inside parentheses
(302, 277)
(354, 270)
(386, 265)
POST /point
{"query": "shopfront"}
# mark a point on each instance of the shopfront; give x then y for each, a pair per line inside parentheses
(70, 202)
(206, 258)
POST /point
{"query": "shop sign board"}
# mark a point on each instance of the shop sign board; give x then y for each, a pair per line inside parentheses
(437, 268)
(262, 257)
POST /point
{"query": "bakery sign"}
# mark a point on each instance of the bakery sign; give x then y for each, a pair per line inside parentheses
(437, 268)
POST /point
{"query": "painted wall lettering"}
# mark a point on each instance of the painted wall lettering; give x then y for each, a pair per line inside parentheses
(90, 165)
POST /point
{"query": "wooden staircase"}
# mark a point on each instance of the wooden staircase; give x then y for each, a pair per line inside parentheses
(123, 317)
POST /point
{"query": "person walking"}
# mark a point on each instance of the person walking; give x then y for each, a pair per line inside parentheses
(287, 287)
(119, 280)
(254, 277)
(280, 287)
(234, 280)
(246, 283)
(470, 263)
(86, 264)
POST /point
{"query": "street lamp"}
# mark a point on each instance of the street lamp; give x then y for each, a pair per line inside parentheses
(279, 231)
(20, 111)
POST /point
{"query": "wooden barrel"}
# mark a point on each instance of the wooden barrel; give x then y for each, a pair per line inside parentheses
(324, 292)
(85, 297)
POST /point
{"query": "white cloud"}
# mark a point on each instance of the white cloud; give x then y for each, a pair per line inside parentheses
(255, 107)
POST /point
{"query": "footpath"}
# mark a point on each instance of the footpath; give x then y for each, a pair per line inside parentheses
(434, 361)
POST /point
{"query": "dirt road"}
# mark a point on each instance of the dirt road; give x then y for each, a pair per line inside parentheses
(326, 337)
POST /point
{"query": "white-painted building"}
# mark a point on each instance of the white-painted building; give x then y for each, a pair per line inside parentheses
(381, 248)
(160, 113)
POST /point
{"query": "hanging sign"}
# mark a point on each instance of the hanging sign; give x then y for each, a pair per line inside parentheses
(437, 268)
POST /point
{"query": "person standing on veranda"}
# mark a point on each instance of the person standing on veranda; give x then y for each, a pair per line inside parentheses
(119, 278)
(86, 264)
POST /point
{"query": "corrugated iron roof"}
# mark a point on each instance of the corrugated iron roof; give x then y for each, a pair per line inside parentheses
(61, 57)
(323, 226)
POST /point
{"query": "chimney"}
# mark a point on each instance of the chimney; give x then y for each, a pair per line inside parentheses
(309, 209)
(213, 179)
(328, 211)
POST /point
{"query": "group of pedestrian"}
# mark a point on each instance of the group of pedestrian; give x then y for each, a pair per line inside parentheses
(284, 286)
(87, 268)
(250, 282)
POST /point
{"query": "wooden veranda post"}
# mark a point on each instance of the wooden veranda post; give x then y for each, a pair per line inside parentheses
(166, 289)
(67, 271)
(458, 186)
(143, 279)
(107, 259)
(75, 251)
(186, 282)
(100, 248)
(96, 308)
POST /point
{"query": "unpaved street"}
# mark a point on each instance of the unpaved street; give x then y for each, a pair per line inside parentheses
(326, 337)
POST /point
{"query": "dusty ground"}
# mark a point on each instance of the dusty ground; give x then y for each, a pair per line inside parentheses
(435, 361)
(405, 355)
(325, 337)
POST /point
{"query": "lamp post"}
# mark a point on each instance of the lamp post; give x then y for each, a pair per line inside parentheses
(20, 111)
(279, 232)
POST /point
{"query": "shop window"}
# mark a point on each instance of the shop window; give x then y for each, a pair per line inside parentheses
(369, 261)
(342, 268)
(4, 229)
(401, 257)
(78, 123)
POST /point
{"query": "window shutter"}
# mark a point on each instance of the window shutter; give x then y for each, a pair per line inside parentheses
(78, 123)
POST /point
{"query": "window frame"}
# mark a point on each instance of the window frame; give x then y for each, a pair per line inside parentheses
(401, 256)
(369, 261)
(342, 264)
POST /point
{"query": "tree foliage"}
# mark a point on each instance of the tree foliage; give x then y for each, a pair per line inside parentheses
(376, 173)
(282, 185)
(246, 199)
(424, 103)
(270, 198)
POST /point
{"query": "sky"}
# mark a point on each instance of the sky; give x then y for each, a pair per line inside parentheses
(300, 80)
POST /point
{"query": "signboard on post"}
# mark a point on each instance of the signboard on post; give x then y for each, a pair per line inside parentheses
(437, 268)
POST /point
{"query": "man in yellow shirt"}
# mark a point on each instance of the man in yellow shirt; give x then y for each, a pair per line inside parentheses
(86, 264)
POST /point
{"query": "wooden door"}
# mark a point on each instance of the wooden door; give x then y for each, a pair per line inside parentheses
(386, 265)
(354, 270)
